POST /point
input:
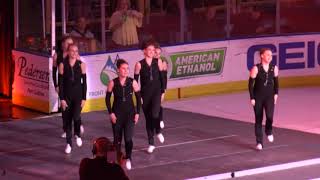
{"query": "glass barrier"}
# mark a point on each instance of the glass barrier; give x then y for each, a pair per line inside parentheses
(104, 25)
(83, 24)
(206, 20)
(130, 22)
(298, 16)
(252, 18)
(34, 26)
(161, 22)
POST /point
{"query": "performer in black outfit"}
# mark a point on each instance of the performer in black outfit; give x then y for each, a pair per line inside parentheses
(152, 88)
(263, 88)
(60, 56)
(72, 92)
(122, 113)
(157, 55)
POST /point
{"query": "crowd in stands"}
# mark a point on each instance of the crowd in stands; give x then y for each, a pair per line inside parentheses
(129, 22)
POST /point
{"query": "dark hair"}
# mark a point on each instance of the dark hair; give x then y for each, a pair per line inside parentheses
(60, 41)
(120, 62)
(148, 43)
(157, 45)
(102, 145)
(262, 50)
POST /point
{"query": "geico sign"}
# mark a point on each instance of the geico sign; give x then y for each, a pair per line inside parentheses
(292, 55)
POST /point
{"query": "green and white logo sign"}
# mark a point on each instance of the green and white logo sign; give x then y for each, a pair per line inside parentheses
(197, 63)
(109, 71)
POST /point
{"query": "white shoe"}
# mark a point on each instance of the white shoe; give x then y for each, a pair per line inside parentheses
(81, 129)
(151, 148)
(270, 138)
(161, 124)
(64, 135)
(67, 150)
(160, 137)
(79, 141)
(259, 147)
(128, 164)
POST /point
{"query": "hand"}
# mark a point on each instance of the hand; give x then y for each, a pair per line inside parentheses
(253, 102)
(57, 90)
(128, 13)
(131, 13)
(136, 14)
(124, 16)
(83, 102)
(136, 118)
(64, 105)
(162, 97)
(275, 98)
(113, 118)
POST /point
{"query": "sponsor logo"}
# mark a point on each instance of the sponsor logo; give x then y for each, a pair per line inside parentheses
(193, 64)
(31, 71)
(109, 71)
(292, 55)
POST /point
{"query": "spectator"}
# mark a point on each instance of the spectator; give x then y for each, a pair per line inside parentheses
(265, 22)
(81, 29)
(99, 167)
(124, 23)
(83, 37)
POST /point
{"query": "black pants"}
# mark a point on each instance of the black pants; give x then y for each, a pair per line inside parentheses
(161, 114)
(124, 125)
(265, 103)
(151, 109)
(64, 122)
(72, 114)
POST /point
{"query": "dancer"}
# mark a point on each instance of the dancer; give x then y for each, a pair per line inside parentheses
(152, 89)
(72, 92)
(157, 55)
(58, 58)
(123, 115)
(264, 88)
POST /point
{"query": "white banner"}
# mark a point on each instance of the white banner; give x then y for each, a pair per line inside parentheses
(189, 65)
(294, 55)
(31, 82)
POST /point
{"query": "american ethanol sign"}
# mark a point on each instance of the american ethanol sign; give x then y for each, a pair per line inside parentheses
(197, 63)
